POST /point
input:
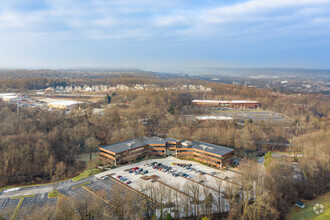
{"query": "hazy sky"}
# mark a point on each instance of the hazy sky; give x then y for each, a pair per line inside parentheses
(164, 34)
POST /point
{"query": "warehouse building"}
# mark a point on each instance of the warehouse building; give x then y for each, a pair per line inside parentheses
(129, 151)
(9, 97)
(226, 104)
(212, 118)
(63, 104)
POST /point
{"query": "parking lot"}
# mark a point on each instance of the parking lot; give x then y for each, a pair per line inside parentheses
(254, 115)
(29, 204)
(166, 171)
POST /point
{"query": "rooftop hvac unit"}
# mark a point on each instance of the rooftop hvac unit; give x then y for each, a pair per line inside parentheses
(205, 147)
(187, 143)
(130, 145)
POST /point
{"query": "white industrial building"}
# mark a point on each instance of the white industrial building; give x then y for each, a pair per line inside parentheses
(63, 104)
(9, 97)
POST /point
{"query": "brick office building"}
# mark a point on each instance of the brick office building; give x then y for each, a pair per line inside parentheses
(129, 151)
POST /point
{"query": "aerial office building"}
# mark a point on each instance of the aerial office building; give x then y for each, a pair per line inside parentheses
(129, 151)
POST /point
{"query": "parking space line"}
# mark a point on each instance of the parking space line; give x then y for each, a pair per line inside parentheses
(106, 201)
(204, 185)
(132, 189)
(223, 179)
(174, 189)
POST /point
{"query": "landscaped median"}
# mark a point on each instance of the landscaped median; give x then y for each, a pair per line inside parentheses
(83, 184)
(54, 194)
(85, 174)
(18, 207)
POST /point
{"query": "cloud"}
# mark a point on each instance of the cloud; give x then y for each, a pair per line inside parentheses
(164, 26)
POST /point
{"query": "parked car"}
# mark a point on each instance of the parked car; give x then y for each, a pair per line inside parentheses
(212, 173)
(300, 204)
(128, 182)
(146, 171)
(130, 171)
(226, 177)
(118, 177)
(105, 177)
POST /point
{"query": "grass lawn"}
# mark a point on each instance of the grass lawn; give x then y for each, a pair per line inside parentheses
(54, 194)
(85, 174)
(297, 213)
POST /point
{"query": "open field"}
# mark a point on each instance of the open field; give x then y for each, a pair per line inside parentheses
(308, 212)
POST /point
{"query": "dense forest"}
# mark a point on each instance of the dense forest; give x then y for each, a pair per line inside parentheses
(37, 145)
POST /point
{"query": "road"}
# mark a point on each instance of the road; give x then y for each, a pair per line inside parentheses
(31, 190)
(261, 160)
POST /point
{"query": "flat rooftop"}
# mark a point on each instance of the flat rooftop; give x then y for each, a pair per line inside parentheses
(7, 94)
(213, 117)
(142, 141)
(135, 143)
(212, 148)
(225, 102)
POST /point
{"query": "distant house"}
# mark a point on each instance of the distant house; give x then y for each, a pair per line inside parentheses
(122, 87)
(68, 88)
(59, 89)
(139, 87)
(103, 88)
(49, 90)
(89, 89)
